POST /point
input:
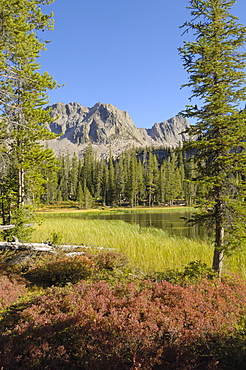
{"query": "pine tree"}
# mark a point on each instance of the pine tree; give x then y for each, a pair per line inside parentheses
(79, 195)
(141, 191)
(189, 185)
(105, 182)
(87, 197)
(161, 183)
(23, 94)
(151, 177)
(63, 177)
(98, 178)
(172, 175)
(74, 175)
(88, 169)
(120, 180)
(50, 175)
(181, 169)
(111, 182)
(215, 62)
(132, 181)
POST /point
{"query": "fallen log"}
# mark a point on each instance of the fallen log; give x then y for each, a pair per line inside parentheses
(6, 227)
(44, 247)
(16, 245)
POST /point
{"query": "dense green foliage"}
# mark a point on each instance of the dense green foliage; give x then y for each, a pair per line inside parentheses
(215, 61)
(23, 95)
(137, 177)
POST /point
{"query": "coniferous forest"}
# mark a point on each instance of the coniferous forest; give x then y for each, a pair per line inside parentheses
(136, 178)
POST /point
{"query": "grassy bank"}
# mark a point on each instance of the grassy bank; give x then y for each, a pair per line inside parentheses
(71, 208)
(149, 249)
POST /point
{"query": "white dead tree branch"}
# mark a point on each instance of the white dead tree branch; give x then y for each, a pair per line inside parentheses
(43, 247)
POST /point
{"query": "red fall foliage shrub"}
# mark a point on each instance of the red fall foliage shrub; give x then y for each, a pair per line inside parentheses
(11, 288)
(129, 326)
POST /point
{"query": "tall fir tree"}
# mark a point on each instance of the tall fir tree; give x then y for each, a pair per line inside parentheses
(151, 177)
(74, 173)
(23, 94)
(88, 169)
(189, 185)
(172, 176)
(215, 61)
(120, 180)
(110, 200)
(132, 183)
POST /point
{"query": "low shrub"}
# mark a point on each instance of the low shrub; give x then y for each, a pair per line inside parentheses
(111, 260)
(59, 270)
(190, 273)
(152, 325)
(11, 288)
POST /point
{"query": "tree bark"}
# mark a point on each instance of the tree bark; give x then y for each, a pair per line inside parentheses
(218, 250)
(21, 184)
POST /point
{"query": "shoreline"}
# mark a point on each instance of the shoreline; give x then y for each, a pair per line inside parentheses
(113, 209)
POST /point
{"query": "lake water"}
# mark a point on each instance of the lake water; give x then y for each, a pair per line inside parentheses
(172, 222)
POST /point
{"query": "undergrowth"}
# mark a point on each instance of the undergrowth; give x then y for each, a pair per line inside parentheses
(94, 311)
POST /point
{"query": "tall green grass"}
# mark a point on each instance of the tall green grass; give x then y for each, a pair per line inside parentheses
(152, 250)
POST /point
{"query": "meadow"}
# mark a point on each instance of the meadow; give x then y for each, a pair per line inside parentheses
(159, 308)
(149, 249)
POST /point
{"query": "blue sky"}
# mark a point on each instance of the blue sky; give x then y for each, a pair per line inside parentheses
(122, 53)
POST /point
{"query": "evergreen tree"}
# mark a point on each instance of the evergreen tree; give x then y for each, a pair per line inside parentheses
(181, 169)
(50, 175)
(215, 62)
(105, 182)
(190, 185)
(74, 172)
(132, 181)
(79, 195)
(141, 191)
(120, 180)
(98, 179)
(87, 197)
(151, 177)
(161, 183)
(88, 169)
(110, 200)
(63, 177)
(23, 94)
(172, 175)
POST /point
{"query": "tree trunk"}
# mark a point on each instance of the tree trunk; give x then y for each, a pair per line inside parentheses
(3, 212)
(150, 196)
(21, 191)
(218, 250)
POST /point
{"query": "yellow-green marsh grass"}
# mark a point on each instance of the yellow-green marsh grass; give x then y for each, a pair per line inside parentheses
(147, 248)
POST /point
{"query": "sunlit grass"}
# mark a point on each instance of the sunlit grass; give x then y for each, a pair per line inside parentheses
(109, 210)
(149, 249)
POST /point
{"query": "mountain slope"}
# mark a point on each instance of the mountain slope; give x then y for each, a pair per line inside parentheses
(108, 128)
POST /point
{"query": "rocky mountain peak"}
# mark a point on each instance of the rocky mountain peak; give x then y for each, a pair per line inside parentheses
(108, 128)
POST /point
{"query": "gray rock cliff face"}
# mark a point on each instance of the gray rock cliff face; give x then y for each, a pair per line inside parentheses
(108, 128)
(170, 131)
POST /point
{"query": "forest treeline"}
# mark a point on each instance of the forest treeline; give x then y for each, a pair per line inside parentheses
(136, 177)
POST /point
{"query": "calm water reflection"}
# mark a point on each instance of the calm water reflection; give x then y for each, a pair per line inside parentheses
(172, 222)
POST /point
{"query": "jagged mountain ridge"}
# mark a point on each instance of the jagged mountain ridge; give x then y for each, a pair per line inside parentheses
(108, 128)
